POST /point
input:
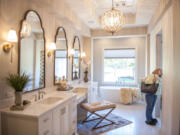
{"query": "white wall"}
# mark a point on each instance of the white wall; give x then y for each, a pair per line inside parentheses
(166, 26)
(109, 43)
(168, 22)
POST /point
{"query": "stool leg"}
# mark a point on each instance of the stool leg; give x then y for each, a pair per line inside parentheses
(85, 120)
(102, 118)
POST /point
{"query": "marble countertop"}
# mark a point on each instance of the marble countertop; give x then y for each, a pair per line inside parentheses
(36, 109)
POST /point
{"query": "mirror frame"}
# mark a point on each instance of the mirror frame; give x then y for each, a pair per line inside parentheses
(19, 46)
(57, 30)
(76, 38)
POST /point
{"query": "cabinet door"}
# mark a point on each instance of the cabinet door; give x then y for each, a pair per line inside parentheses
(73, 116)
(60, 121)
(45, 124)
(14, 125)
(56, 122)
(64, 120)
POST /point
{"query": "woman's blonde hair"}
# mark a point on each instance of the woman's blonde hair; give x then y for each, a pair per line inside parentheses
(156, 71)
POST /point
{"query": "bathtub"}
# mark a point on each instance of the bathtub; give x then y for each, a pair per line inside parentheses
(111, 93)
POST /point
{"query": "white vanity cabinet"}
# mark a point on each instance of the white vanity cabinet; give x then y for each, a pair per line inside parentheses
(61, 120)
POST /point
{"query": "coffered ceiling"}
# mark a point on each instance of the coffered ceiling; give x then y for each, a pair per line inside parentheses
(137, 12)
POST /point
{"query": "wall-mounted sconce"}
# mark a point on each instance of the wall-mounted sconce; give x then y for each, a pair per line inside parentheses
(12, 38)
(52, 47)
(71, 53)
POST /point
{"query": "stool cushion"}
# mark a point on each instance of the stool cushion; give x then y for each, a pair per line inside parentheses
(98, 106)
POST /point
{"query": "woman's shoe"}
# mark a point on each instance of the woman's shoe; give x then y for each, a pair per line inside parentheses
(152, 123)
(155, 120)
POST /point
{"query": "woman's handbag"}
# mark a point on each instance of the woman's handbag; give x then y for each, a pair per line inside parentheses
(149, 88)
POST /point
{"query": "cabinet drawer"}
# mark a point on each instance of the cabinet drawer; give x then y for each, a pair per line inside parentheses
(45, 124)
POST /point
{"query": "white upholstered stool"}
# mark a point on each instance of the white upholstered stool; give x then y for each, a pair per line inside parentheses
(99, 106)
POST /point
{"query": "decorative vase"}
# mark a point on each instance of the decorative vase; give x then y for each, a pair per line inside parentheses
(75, 75)
(18, 98)
(86, 76)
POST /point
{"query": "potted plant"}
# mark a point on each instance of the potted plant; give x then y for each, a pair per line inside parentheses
(18, 83)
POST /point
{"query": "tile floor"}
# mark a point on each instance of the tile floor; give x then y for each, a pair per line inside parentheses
(136, 114)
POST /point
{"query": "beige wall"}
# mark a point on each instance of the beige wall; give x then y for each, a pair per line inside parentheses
(53, 14)
(168, 22)
(166, 26)
(129, 42)
(87, 50)
(176, 73)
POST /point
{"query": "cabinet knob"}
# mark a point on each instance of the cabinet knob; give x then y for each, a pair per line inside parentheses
(63, 111)
(46, 119)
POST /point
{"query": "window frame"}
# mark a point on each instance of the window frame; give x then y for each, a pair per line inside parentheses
(136, 66)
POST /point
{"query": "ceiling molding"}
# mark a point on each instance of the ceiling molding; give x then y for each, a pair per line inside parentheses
(133, 31)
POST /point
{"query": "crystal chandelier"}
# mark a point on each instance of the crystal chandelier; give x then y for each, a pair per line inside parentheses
(112, 20)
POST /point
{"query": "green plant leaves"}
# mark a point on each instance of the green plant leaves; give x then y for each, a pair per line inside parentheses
(18, 82)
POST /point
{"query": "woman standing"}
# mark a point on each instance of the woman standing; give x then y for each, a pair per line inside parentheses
(155, 77)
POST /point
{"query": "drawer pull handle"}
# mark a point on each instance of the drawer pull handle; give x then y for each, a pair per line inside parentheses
(45, 120)
(46, 132)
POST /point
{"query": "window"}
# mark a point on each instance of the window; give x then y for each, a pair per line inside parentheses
(119, 66)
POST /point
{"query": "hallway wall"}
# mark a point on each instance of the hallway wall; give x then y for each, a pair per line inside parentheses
(170, 106)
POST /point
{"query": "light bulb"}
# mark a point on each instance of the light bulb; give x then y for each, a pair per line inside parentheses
(52, 46)
(83, 54)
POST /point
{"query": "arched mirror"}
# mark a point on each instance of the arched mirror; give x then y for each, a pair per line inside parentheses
(76, 59)
(61, 56)
(32, 50)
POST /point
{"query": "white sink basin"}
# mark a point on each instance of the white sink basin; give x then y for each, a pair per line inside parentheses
(50, 100)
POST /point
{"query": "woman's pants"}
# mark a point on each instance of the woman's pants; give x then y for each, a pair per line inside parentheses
(150, 103)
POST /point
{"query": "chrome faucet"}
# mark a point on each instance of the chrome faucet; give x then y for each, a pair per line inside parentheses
(41, 94)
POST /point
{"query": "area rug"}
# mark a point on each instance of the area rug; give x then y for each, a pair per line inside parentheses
(86, 128)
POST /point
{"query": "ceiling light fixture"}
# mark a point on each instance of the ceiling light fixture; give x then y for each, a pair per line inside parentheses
(112, 20)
